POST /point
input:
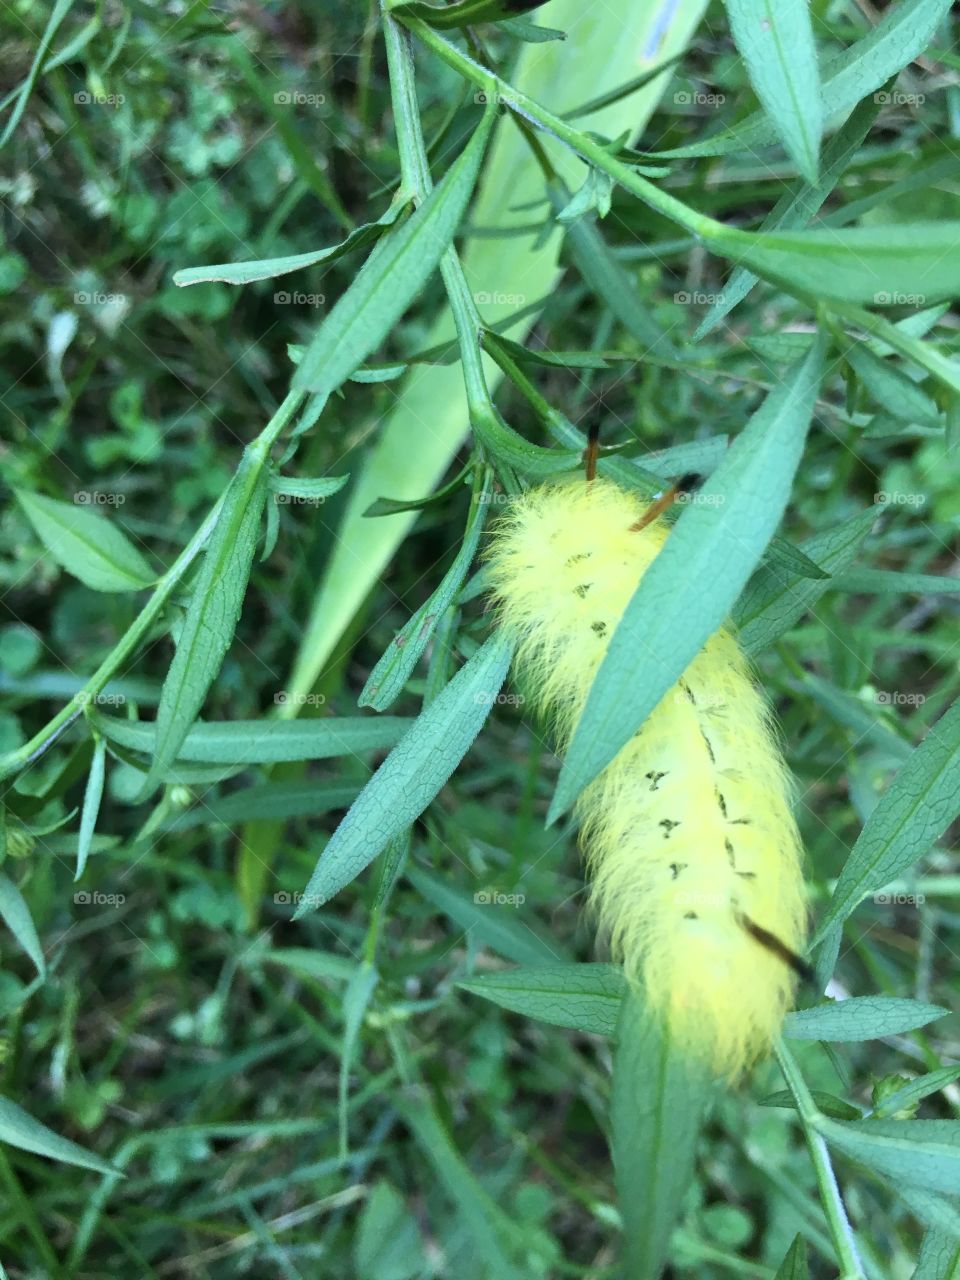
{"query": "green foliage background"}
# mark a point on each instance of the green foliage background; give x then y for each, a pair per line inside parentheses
(363, 1090)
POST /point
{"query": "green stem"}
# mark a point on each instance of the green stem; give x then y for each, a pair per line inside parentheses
(841, 1232)
(131, 639)
(585, 146)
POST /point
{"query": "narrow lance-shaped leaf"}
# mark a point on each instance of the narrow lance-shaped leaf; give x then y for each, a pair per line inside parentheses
(919, 1153)
(916, 808)
(21, 1130)
(16, 916)
(776, 41)
(659, 1098)
(213, 613)
(395, 272)
(92, 796)
(707, 559)
(86, 544)
(584, 997)
(860, 1018)
(413, 773)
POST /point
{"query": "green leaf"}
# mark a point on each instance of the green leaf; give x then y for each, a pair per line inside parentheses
(92, 796)
(21, 1130)
(500, 926)
(774, 599)
(916, 808)
(939, 1257)
(392, 671)
(264, 741)
(213, 613)
(875, 264)
(919, 1153)
(412, 774)
(890, 582)
(828, 1103)
(711, 551)
(267, 268)
(659, 1098)
(297, 798)
(307, 961)
(890, 387)
(909, 1095)
(794, 1265)
(395, 272)
(356, 1000)
(903, 32)
(860, 1018)
(86, 544)
(797, 207)
(462, 13)
(585, 997)
(387, 1244)
(309, 489)
(776, 42)
(16, 916)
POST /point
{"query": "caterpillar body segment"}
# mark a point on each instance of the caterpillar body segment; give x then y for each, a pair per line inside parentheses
(693, 853)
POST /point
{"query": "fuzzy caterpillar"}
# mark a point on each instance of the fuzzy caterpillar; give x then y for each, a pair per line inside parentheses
(688, 835)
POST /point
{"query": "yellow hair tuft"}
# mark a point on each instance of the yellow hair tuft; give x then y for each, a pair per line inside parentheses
(688, 833)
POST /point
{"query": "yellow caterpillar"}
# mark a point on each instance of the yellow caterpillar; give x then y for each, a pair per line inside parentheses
(688, 834)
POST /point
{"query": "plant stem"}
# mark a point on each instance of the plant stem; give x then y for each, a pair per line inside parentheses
(128, 643)
(851, 1267)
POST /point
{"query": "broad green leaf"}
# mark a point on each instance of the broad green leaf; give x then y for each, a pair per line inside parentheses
(486, 1222)
(860, 1018)
(213, 612)
(796, 208)
(585, 997)
(939, 1257)
(915, 1091)
(710, 553)
(875, 264)
(913, 812)
(16, 916)
(21, 1130)
(412, 774)
(918, 1153)
(890, 387)
(942, 1213)
(565, 75)
(775, 39)
(297, 798)
(267, 268)
(387, 1244)
(86, 544)
(501, 927)
(92, 796)
(395, 272)
(394, 668)
(659, 1099)
(903, 32)
(775, 599)
(265, 741)
(794, 1266)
